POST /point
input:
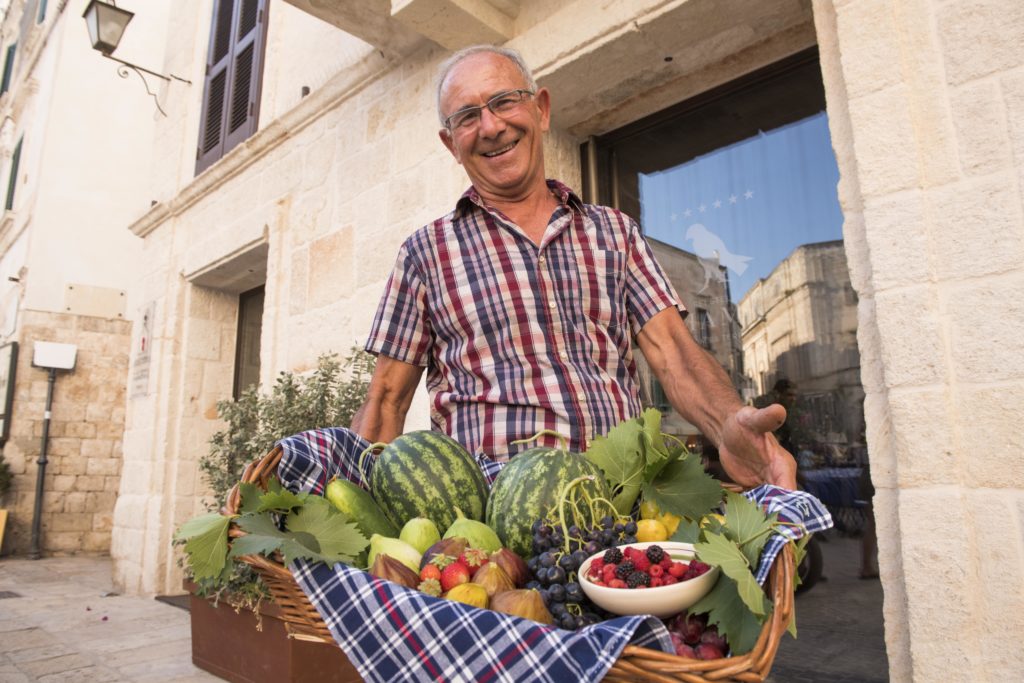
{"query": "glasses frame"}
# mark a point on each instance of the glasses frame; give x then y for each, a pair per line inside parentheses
(523, 93)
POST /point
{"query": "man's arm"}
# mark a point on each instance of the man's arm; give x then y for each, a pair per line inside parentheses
(701, 392)
(382, 415)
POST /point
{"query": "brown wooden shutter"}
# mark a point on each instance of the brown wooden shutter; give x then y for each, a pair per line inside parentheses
(234, 69)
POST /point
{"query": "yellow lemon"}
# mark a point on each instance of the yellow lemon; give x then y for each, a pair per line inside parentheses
(670, 521)
(648, 510)
(651, 530)
(710, 516)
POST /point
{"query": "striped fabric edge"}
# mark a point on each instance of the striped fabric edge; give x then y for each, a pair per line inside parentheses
(806, 513)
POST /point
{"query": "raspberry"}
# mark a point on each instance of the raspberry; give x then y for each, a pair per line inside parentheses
(666, 562)
(638, 579)
(677, 569)
(640, 562)
(668, 580)
(656, 581)
(656, 571)
(608, 573)
(625, 569)
(616, 583)
(612, 556)
(597, 564)
(655, 553)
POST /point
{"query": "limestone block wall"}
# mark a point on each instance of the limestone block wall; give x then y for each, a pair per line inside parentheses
(86, 431)
(926, 107)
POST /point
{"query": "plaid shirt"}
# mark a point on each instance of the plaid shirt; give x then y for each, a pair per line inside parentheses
(519, 337)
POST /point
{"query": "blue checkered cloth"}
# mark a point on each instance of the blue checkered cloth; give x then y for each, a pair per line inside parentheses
(391, 633)
(804, 513)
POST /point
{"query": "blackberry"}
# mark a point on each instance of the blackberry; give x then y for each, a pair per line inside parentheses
(625, 569)
(655, 554)
(612, 556)
(638, 579)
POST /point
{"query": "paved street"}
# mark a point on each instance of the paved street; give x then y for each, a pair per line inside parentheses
(60, 628)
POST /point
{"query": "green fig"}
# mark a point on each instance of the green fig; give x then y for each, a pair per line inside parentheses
(420, 533)
(397, 549)
(477, 533)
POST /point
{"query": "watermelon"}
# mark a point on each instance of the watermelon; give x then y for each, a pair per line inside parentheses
(428, 474)
(528, 488)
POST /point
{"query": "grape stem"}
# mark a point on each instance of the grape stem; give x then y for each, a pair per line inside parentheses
(362, 459)
(545, 432)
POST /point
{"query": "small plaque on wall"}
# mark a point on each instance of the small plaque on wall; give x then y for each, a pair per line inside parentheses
(102, 302)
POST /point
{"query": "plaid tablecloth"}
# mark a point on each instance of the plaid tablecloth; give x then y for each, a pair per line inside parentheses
(391, 633)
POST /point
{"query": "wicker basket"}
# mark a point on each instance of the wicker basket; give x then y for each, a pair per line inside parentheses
(634, 664)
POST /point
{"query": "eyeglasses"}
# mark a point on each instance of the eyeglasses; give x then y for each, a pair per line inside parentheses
(501, 105)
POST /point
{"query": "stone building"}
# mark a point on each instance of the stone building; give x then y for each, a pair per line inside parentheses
(73, 175)
(269, 203)
(800, 324)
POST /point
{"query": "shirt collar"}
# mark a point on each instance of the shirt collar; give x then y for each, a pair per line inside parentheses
(563, 193)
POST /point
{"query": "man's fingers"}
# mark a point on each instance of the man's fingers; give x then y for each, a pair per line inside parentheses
(764, 419)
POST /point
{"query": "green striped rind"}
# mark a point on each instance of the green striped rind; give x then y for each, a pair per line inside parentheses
(428, 474)
(528, 488)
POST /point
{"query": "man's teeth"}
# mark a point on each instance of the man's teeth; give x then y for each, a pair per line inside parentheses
(500, 151)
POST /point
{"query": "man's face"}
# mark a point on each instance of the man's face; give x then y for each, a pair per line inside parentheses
(503, 155)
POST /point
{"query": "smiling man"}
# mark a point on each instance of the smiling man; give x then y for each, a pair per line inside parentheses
(524, 305)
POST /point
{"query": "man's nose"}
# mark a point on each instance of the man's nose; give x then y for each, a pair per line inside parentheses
(491, 125)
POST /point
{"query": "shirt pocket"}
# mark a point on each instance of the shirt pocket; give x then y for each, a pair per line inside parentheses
(602, 280)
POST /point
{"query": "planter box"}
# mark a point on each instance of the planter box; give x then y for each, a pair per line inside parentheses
(227, 644)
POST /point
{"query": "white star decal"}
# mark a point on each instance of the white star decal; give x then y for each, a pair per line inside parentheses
(718, 204)
(749, 194)
(733, 198)
(687, 213)
(703, 208)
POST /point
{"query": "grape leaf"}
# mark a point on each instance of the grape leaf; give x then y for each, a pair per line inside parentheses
(620, 455)
(339, 539)
(726, 610)
(281, 500)
(262, 537)
(250, 495)
(720, 551)
(684, 489)
(747, 525)
(686, 532)
(207, 544)
(656, 454)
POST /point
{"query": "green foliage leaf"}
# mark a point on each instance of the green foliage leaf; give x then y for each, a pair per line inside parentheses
(281, 500)
(656, 453)
(747, 525)
(339, 539)
(720, 551)
(620, 455)
(727, 610)
(250, 497)
(207, 544)
(684, 488)
(686, 532)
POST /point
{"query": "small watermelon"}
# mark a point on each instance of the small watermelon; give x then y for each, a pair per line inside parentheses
(528, 488)
(427, 474)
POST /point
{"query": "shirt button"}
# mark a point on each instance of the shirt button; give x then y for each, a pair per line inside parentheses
(541, 260)
(581, 396)
(552, 305)
(564, 355)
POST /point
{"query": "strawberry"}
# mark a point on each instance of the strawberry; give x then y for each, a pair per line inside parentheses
(430, 571)
(430, 587)
(473, 558)
(454, 574)
(442, 561)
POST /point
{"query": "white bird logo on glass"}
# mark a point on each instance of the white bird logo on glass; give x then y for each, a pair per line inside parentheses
(711, 251)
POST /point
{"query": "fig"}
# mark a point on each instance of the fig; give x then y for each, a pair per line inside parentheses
(494, 579)
(522, 602)
(400, 550)
(713, 637)
(708, 651)
(477, 533)
(387, 567)
(470, 594)
(452, 547)
(513, 566)
(420, 533)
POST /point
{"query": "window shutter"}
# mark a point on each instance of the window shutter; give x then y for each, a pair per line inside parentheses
(233, 78)
(41, 15)
(8, 68)
(12, 181)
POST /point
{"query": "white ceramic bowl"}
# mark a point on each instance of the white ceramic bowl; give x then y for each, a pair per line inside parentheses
(662, 601)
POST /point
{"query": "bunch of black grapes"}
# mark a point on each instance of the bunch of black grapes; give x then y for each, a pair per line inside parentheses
(557, 556)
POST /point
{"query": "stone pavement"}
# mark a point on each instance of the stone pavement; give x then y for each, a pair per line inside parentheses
(839, 625)
(59, 627)
(62, 629)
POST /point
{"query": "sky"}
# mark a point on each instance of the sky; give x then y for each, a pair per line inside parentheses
(753, 202)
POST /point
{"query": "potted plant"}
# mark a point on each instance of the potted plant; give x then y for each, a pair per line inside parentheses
(236, 632)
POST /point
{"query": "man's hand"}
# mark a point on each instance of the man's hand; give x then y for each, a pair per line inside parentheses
(749, 451)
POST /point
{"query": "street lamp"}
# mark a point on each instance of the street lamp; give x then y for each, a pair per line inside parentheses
(51, 357)
(106, 23)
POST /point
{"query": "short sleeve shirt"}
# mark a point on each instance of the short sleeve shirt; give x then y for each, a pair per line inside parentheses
(518, 337)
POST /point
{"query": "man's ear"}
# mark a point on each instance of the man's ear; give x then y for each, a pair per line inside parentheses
(543, 100)
(449, 143)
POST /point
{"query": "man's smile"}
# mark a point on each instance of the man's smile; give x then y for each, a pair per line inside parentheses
(501, 150)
